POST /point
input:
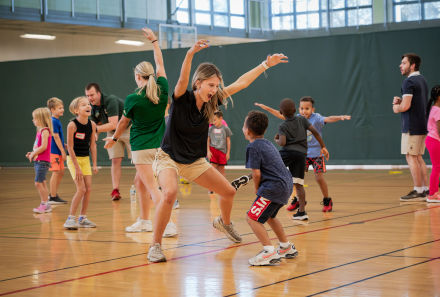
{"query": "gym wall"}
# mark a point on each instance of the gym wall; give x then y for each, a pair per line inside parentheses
(355, 75)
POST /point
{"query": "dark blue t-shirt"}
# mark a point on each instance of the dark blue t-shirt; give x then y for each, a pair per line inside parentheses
(57, 128)
(276, 181)
(414, 120)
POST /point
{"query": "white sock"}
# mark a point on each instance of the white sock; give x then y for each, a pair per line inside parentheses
(70, 217)
(419, 189)
(284, 245)
(144, 221)
(269, 248)
(425, 188)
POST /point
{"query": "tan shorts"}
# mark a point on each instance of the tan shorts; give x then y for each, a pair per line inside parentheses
(143, 157)
(117, 151)
(413, 144)
(188, 171)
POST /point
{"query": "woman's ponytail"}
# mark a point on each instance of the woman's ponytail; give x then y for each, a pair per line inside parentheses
(146, 71)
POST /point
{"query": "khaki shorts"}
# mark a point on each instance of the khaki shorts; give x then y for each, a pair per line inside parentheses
(143, 157)
(413, 144)
(117, 151)
(188, 171)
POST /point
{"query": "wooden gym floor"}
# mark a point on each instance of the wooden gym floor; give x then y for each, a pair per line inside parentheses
(370, 245)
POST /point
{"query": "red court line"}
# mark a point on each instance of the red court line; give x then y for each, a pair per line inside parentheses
(199, 254)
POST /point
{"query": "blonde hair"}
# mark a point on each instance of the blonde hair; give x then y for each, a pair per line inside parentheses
(52, 103)
(206, 71)
(75, 104)
(146, 71)
(44, 118)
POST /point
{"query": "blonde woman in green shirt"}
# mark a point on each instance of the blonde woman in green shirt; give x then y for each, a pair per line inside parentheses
(146, 110)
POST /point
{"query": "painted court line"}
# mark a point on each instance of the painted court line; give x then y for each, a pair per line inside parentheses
(204, 253)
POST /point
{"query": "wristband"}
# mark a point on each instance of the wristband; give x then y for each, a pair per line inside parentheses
(154, 41)
(114, 139)
(264, 67)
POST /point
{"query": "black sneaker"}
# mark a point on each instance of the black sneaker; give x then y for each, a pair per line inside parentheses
(426, 193)
(414, 196)
(301, 216)
(240, 182)
(56, 200)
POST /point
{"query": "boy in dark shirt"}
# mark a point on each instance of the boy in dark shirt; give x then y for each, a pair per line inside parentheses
(273, 186)
(292, 136)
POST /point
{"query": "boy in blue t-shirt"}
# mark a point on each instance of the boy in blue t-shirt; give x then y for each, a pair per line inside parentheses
(273, 186)
(57, 151)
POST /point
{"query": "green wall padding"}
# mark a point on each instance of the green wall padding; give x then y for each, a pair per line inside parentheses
(351, 74)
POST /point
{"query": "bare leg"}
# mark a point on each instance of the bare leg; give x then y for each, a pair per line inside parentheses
(80, 191)
(259, 231)
(116, 172)
(276, 226)
(301, 197)
(423, 171)
(222, 170)
(319, 177)
(55, 181)
(414, 167)
(144, 197)
(86, 197)
(42, 190)
(213, 180)
(168, 182)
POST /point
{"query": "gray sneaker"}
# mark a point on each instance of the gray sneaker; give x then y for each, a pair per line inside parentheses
(71, 224)
(155, 254)
(176, 204)
(229, 230)
(83, 222)
(414, 196)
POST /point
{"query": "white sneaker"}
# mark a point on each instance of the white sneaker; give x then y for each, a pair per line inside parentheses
(170, 230)
(176, 204)
(155, 254)
(140, 226)
(288, 253)
(71, 224)
(265, 258)
(83, 222)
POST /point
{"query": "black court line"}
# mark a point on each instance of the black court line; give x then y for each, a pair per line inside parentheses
(374, 276)
(193, 244)
(338, 266)
(408, 257)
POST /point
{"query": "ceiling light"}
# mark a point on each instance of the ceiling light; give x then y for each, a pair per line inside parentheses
(38, 36)
(131, 42)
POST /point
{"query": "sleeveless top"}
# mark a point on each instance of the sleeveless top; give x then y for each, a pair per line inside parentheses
(81, 138)
(45, 155)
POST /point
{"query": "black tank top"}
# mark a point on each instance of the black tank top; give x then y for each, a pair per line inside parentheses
(81, 138)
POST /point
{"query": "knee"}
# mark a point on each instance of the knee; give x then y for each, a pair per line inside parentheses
(229, 192)
(89, 190)
(319, 179)
(138, 182)
(60, 173)
(169, 195)
(82, 190)
(38, 185)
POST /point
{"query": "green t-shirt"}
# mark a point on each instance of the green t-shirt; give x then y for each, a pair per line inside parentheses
(148, 118)
(110, 106)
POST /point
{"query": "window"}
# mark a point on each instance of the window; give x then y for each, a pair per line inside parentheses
(405, 11)
(182, 11)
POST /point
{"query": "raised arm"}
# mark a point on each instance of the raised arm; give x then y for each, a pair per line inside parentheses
(160, 68)
(246, 79)
(332, 119)
(183, 81)
(271, 110)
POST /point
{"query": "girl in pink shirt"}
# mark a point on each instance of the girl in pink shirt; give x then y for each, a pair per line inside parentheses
(42, 119)
(433, 142)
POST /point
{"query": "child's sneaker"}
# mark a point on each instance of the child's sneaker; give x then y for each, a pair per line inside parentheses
(294, 205)
(265, 258)
(43, 208)
(140, 226)
(71, 224)
(170, 230)
(300, 216)
(229, 230)
(83, 222)
(56, 200)
(116, 195)
(327, 204)
(210, 192)
(176, 204)
(288, 253)
(240, 182)
(433, 198)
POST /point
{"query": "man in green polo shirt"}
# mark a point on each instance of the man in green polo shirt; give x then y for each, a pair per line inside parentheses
(106, 113)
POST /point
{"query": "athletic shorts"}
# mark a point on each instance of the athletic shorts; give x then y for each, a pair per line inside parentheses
(118, 149)
(41, 169)
(84, 164)
(296, 162)
(56, 162)
(218, 157)
(143, 157)
(318, 164)
(413, 144)
(188, 171)
(263, 209)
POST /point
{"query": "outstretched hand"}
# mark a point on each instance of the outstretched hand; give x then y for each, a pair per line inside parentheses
(149, 34)
(275, 59)
(345, 117)
(261, 105)
(199, 45)
(109, 142)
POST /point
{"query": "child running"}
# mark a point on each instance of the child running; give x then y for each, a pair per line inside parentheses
(433, 142)
(80, 142)
(57, 152)
(184, 147)
(219, 144)
(273, 187)
(41, 155)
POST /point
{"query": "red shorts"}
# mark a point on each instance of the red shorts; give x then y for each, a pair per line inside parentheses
(318, 164)
(218, 157)
(56, 162)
